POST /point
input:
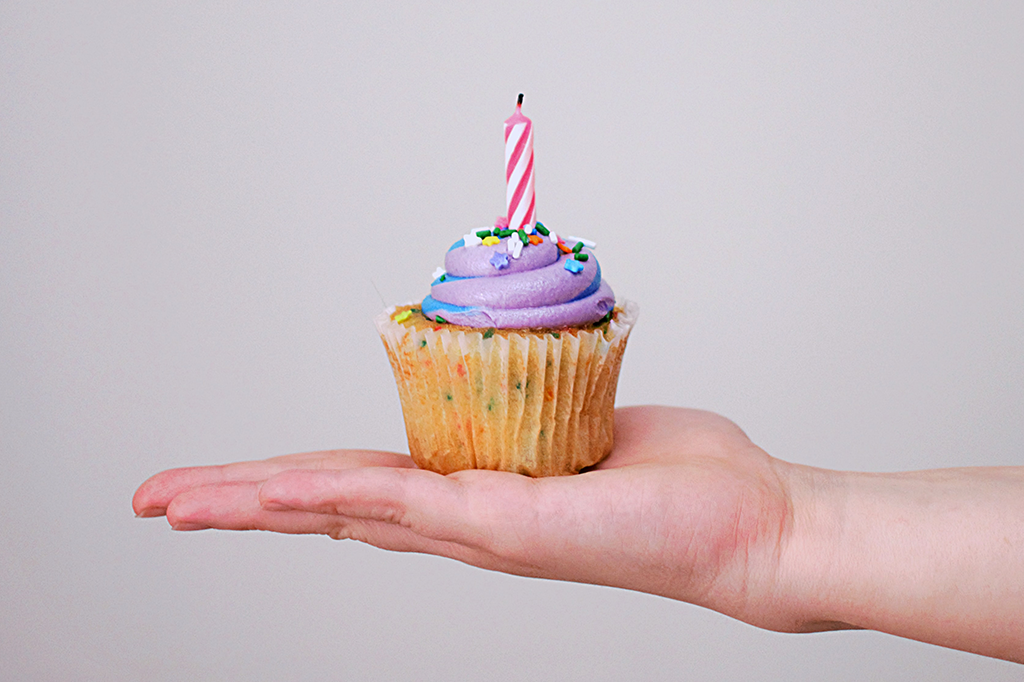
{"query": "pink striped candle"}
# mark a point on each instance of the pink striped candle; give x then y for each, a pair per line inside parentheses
(519, 170)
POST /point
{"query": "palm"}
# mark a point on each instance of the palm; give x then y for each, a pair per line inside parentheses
(682, 507)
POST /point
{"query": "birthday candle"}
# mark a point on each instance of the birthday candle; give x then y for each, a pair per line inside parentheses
(519, 169)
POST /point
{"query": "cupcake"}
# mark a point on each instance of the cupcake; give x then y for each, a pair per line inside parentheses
(512, 361)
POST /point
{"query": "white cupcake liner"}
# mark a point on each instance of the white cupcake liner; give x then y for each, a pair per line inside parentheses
(521, 400)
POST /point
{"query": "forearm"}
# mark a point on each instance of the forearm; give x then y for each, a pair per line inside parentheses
(936, 556)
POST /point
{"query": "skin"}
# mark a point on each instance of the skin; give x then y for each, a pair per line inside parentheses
(686, 507)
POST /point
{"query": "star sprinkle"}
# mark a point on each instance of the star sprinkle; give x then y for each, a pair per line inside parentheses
(500, 260)
(472, 240)
(574, 266)
(491, 241)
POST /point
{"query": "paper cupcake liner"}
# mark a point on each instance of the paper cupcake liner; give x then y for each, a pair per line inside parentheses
(530, 402)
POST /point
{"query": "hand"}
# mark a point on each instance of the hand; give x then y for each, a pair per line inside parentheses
(685, 507)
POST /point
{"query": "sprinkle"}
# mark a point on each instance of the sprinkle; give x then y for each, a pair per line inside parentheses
(534, 239)
(438, 318)
(517, 249)
(438, 273)
(443, 278)
(554, 238)
(581, 257)
(587, 243)
(573, 266)
(499, 260)
(423, 343)
(483, 234)
(577, 247)
(489, 333)
(403, 316)
(471, 240)
(510, 245)
(556, 335)
(564, 248)
(543, 230)
(523, 237)
(491, 240)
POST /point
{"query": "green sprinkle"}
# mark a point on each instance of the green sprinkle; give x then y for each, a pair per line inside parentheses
(443, 277)
(423, 343)
(490, 404)
(543, 230)
(505, 233)
(489, 333)
(579, 256)
(414, 310)
(556, 335)
(522, 236)
(483, 233)
(576, 249)
(438, 318)
(448, 396)
(519, 385)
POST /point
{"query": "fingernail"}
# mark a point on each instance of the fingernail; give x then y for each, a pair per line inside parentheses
(274, 506)
(150, 512)
(189, 526)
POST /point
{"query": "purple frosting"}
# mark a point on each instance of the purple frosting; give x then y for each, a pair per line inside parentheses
(532, 291)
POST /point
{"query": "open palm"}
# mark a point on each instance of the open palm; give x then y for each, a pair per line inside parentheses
(685, 506)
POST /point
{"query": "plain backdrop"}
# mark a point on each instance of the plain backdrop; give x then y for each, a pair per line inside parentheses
(819, 208)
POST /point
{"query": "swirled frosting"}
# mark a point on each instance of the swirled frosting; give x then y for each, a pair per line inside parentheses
(485, 286)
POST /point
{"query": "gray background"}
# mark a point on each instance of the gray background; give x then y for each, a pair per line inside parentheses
(818, 207)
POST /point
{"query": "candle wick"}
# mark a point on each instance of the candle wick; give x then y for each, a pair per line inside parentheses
(520, 102)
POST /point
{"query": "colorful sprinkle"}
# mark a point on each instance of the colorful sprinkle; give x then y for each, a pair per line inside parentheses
(554, 237)
(491, 240)
(438, 318)
(543, 230)
(499, 260)
(403, 316)
(574, 266)
(423, 343)
(578, 246)
(581, 257)
(505, 233)
(522, 236)
(556, 335)
(471, 240)
(534, 239)
(439, 272)
(483, 234)
(564, 248)
(586, 242)
(489, 333)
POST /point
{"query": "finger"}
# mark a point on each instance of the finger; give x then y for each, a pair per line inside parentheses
(482, 518)
(235, 506)
(463, 508)
(153, 496)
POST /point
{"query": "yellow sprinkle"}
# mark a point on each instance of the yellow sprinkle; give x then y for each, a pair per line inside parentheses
(403, 316)
(491, 241)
